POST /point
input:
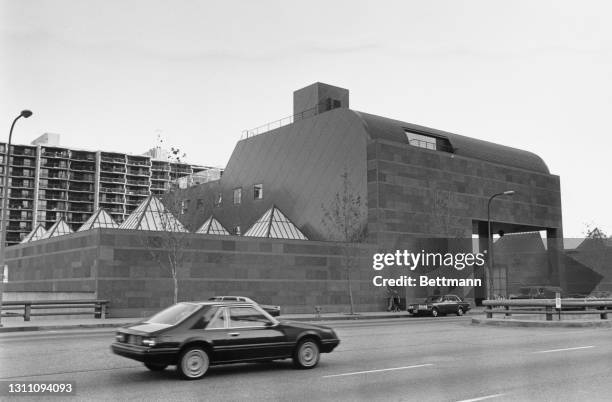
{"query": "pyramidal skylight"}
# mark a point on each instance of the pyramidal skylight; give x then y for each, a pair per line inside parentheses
(152, 215)
(274, 224)
(213, 226)
(59, 228)
(35, 234)
(100, 219)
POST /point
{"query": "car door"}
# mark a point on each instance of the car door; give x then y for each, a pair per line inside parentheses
(448, 305)
(252, 335)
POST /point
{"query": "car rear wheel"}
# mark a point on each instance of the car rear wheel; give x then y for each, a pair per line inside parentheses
(155, 367)
(306, 354)
(460, 311)
(435, 312)
(193, 363)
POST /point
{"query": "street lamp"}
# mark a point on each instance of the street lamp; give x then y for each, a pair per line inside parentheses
(4, 211)
(490, 264)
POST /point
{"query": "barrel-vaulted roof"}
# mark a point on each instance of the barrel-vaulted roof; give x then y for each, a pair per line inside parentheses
(395, 130)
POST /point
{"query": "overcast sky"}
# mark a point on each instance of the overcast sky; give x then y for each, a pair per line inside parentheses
(113, 75)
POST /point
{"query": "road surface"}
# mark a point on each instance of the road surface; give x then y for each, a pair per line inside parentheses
(412, 359)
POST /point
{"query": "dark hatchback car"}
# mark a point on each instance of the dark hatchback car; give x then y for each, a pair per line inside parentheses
(439, 305)
(195, 335)
(274, 311)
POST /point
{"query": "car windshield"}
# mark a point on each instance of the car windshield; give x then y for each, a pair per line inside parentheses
(433, 299)
(173, 314)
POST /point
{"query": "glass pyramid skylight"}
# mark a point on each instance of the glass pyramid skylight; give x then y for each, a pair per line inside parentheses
(212, 226)
(274, 224)
(35, 234)
(101, 219)
(152, 215)
(59, 228)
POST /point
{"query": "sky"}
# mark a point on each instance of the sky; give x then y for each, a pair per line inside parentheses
(115, 75)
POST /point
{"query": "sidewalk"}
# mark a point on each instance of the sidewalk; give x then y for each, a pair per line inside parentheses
(88, 323)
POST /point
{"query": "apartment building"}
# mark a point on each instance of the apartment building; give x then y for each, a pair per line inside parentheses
(47, 181)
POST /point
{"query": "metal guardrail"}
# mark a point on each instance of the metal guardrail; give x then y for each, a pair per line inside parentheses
(548, 307)
(100, 308)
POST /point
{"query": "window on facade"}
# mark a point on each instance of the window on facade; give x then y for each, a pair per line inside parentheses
(428, 141)
(258, 191)
(237, 196)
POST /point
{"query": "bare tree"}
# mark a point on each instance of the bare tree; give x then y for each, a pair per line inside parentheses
(345, 221)
(594, 232)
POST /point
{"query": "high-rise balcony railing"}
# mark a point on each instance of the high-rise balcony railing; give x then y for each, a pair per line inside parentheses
(112, 159)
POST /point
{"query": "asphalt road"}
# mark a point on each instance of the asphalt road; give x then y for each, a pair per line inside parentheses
(414, 359)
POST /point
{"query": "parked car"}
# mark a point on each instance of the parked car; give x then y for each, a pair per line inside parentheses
(274, 311)
(437, 305)
(196, 335)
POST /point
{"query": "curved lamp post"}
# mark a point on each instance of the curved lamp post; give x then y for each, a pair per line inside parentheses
(490, 265)
(4, 211)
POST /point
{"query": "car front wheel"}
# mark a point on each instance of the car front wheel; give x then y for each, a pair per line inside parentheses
(460, 311)
(193, 363)
(435, 312)
(156, 367)
(306, 354)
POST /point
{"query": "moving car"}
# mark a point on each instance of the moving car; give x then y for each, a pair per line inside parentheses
(274, 311)
(195, 335)
(436, 305)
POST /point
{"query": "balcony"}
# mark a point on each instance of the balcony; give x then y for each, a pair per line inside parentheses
(21, 195)
(81, 167)
(80, 197)
(18, 228)
(112, 169)
(55, 154)
(49, 165)
(22, 163)
(20, 207)
(113, 209)
(88, 178)
(161, 168)
(80, 208)
(111, 190)
(137, 192)
(54, 186)
(80, 156)
(18, 151)
(20, 184)
(132, 202)
(112, 179)
(138, 183)
(80, 188)
(112, 159)
(54, 197)
(138, 162)
(111, 200)
(138, 172)
(54, 175)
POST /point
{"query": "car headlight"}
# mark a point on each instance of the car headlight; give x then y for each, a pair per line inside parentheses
(150, 342)
(120, 337)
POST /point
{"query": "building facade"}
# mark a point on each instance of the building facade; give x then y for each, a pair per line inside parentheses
(47, 182)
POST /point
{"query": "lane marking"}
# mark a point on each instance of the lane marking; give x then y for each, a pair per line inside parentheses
(482, 398)
(378, 371)
(563, 350)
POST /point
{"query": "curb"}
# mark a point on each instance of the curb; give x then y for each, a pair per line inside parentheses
(541, 324)
(343, 317)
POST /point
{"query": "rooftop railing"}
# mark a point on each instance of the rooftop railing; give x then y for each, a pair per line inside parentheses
(285, 121)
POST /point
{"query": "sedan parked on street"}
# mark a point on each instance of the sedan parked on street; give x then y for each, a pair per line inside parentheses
(274, 311)
(196, 335)
(439, 305)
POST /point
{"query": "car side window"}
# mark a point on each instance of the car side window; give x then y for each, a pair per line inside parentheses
(218, 321)
(241, 317)
(205, 319)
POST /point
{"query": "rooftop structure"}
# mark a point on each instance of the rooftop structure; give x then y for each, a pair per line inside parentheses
(213, 226)
(151, 214)
(100, 219)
